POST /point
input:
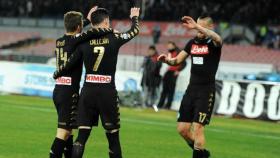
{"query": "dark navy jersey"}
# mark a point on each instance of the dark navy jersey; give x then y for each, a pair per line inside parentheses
(100, 57)
(205, 56)
(65, 47)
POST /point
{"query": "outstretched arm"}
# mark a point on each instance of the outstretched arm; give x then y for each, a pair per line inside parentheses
(191, 24)
(180, 58)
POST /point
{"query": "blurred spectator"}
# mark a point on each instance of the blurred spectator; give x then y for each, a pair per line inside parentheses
(262, 13)
(151, 77)
(238, 11)
(170, 78)
(156, 34)
(277, 41)
(29, 7)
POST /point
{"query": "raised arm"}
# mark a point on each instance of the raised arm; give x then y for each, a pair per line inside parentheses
(133, 31)
(191, 24)
(180, 58)
(87, 20)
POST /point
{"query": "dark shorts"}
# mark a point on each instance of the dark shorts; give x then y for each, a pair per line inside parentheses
(98, 101)
(197, 105)
(66, 103)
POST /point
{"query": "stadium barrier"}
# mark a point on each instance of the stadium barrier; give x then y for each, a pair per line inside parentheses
(248, 99)
(36, 79)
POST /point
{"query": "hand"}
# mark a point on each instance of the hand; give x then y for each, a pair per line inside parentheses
(55, 75)
(93, 9)
(164, 57)
(189, 22)
(134, 12)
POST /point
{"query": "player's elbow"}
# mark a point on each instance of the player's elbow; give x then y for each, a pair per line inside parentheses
(219, 41)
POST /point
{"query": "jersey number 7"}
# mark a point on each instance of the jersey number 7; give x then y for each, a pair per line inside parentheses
(100, 51)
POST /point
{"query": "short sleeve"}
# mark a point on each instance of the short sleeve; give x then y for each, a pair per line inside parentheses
(188, 47)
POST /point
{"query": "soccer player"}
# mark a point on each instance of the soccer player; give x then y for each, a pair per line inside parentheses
(99, 96)
(198, 101)
(66, 91)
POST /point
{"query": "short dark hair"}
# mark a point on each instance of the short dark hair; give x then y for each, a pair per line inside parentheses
(152, 47)
(99, 16)
(173, 43)
(72, 20)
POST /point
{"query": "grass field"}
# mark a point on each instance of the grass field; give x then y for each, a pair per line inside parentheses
(28, 126)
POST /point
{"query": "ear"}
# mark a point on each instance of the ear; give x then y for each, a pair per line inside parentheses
(211, 26)
(79, 28)
(107, 21)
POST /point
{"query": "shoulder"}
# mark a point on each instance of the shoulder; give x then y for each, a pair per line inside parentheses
(61, 38)
(213, 44)
(189, 43)
(60, 42)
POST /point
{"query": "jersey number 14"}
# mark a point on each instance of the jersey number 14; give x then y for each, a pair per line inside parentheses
(60, 56)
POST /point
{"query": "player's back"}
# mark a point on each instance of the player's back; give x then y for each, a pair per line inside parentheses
(100, 56)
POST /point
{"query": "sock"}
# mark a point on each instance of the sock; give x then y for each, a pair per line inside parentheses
(190, 144)
(68, 148)
(206, 153)
(78, 150)
(79, 145)
(198, 153)
(83, 136)
(114, 145)
(57, 148)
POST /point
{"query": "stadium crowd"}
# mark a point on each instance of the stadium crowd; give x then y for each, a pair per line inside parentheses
(238, 11)
(261, 13)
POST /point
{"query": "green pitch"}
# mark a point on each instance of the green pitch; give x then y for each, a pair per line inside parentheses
(28, 126)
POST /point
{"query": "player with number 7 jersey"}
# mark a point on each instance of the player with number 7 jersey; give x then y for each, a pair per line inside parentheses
(69, 83)
(99, 95)
(66, 91)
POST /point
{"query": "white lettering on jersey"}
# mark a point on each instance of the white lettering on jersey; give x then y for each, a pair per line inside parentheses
(199, 49)
(98, 78)
(198, 60)
(64, 81)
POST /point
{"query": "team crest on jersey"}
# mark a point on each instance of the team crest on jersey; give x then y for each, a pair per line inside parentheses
(124, 36)
(199, 49)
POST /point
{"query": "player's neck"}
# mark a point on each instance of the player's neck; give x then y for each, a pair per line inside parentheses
(102, 26)
(70, 33)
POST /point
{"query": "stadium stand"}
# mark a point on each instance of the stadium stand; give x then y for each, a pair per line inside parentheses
(8, 38)
(238, 11)
(40, 48)
(259, 17)
(138, 47)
